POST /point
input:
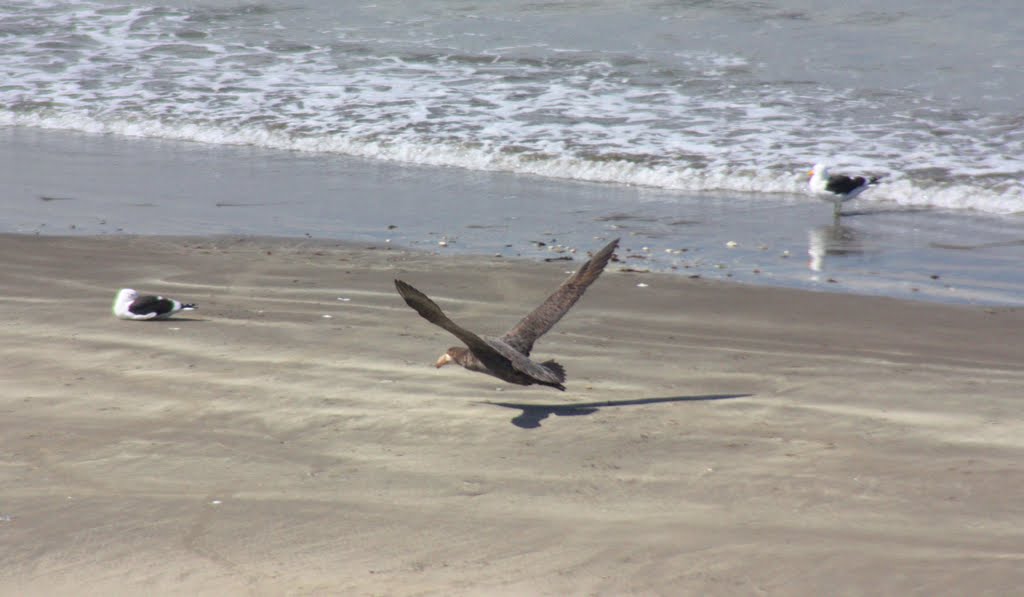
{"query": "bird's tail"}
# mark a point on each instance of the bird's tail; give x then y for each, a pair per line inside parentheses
(555, 368)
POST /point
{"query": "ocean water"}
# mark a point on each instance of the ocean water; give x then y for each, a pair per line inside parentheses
(535, 128)
(733, 96)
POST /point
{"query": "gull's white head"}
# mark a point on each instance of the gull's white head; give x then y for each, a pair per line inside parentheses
(819, 178)
(124, 297)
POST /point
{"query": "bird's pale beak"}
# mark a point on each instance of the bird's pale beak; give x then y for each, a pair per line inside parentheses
(444, 360)
(811, 173)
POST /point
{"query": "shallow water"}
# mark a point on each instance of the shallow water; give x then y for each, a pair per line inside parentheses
(73, 183)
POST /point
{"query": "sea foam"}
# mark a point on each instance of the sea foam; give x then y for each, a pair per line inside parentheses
(687, 121)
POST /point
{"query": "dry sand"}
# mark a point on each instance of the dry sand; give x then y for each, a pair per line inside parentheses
(715, 439)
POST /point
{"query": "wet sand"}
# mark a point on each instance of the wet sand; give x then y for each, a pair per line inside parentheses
(70, 184)
(714, 438)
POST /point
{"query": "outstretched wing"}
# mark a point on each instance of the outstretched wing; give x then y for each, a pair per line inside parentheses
(429, 310)
(495, 354)
(543, 318)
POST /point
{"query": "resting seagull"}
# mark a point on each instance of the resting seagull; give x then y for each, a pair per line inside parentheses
(838, 188)
(508, 357)
(129, 305)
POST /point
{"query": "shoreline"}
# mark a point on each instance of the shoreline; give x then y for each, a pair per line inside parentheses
(720, 437)
(72, 183)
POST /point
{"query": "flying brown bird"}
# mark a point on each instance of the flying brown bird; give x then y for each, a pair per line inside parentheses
(508, 357)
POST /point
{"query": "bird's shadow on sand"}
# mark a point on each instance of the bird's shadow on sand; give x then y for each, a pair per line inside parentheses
(533, 414)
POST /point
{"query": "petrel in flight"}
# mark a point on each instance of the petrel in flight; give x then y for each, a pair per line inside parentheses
(508, 357)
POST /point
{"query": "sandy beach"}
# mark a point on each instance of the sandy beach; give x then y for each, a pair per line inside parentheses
(292, 437)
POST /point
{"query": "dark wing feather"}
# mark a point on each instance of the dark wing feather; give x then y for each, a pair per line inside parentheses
(429, 310)
(842, 185)
(556, 368)
(543, 318)
(145, 305)
(523, 364)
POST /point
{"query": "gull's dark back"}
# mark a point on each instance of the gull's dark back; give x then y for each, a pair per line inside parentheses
(152, 304)
(840, 184)
(543, 318)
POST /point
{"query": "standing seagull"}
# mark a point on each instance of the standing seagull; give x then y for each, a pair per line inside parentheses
(508, 357)
(838, 188)
(129, 305)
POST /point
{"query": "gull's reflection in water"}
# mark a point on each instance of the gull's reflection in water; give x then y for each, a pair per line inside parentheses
(831, 241)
